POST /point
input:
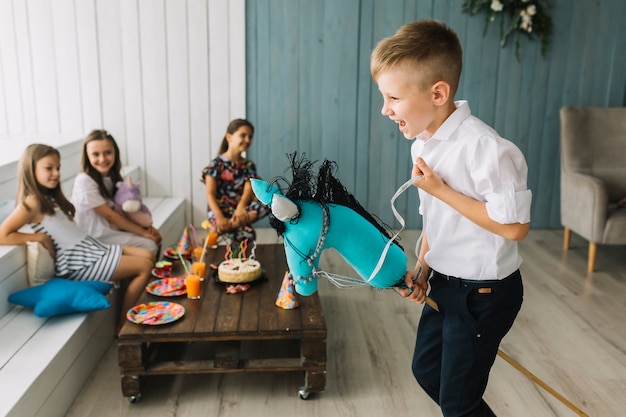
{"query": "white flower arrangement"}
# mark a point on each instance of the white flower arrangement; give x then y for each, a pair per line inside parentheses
(523, 17)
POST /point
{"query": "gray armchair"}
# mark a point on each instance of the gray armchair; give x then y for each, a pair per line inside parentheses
(593, 176)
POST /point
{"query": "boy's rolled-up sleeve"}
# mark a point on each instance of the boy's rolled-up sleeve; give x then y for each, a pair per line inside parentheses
(509, 206)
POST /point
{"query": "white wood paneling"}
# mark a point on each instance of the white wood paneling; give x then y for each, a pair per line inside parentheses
(44, 65)
(10, 103)
(131, 75)
(163, 76)
(109, 47)
(67, 69)
(89, 64)
(219, 70)
(197, 19)
(3, 115)
(25, 74)
(237, 42)
(178, 90)
(155, 94)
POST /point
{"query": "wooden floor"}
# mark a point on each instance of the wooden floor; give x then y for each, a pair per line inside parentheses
(571, 333)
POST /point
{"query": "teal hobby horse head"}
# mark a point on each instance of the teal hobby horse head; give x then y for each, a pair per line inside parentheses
(316, 213)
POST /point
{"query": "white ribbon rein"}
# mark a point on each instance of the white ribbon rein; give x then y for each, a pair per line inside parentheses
(344, 282)
(400, 219)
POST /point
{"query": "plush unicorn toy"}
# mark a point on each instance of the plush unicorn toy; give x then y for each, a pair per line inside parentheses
(129, 203)
(313, 218)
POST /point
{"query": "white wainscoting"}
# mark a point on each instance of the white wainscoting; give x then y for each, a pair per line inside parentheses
(163, 76)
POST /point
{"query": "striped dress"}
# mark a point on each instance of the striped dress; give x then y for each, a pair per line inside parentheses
(78, 256)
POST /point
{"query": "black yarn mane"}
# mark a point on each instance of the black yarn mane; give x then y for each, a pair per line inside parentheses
(324, 189)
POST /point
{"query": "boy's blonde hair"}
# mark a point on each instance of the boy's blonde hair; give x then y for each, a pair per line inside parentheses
(27, 182)
(429, 46)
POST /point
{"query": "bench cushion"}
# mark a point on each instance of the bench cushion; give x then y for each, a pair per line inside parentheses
(62, 296)
(40, 265)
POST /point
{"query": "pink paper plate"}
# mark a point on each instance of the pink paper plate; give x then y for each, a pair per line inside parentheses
(156, 312)
(161, 273)
(167, 287)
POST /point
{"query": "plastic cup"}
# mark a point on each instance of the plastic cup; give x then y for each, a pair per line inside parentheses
(212, 237)
(192, 282)
(198, 268)
(197, 252)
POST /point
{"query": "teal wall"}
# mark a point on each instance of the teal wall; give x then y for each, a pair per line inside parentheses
(309, 88)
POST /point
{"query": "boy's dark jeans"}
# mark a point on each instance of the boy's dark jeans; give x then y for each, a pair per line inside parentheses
(456, 347)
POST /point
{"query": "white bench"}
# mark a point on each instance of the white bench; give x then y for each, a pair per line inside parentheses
(44, 362)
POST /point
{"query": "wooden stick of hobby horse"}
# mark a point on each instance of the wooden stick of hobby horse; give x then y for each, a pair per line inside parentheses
(526, 372)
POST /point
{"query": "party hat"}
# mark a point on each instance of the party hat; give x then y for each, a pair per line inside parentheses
(287, 296)
(184, 244)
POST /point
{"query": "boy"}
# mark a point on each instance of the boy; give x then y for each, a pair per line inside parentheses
(475, 206)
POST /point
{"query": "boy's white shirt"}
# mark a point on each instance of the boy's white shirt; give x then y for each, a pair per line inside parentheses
(474, 160)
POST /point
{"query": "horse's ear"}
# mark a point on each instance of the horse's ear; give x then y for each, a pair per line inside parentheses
(283, 208)
(263, 191)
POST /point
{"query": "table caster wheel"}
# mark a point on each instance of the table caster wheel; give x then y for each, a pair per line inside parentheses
(303, 393)
(133, 399)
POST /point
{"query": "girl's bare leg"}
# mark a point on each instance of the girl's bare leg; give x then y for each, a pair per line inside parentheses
(136, 270)
(142, 252)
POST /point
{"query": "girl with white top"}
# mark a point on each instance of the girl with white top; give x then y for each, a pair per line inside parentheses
(41, 204)
(93, 192)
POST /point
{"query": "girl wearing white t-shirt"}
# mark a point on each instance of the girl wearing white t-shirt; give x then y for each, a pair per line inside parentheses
(93, 193)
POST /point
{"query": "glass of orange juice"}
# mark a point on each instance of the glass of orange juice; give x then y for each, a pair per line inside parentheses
(198, 268)
(212, 237)
(192, 282)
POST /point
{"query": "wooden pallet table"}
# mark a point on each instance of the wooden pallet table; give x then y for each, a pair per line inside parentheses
(226, 333)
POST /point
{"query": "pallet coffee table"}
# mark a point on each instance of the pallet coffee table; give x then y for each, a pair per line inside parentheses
(228, 333)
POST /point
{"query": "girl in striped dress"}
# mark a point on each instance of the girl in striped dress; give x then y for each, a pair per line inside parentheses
(41, 204)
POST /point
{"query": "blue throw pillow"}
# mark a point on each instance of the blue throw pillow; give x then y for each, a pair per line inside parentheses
(63, 296)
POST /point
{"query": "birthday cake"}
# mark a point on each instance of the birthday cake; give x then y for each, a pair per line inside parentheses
(237, 270)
